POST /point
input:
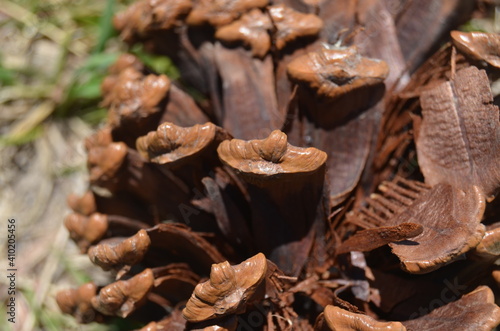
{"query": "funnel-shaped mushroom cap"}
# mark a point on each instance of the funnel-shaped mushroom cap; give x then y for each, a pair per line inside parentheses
(478, 45)
(458, 140)
(333, 72)
(76, 302)
(252, 29)
(338, 319)
(229, 289)
(122, 297)
(116, 254)
(475, 311)
(291, 24)
(270, 157)
(134, 96)
(221, 12)
(172, 144)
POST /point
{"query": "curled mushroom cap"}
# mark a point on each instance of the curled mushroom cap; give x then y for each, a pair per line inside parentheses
(338, 319)
(252, 29)
(116, 254)
(221, 12)
(227, 291)
(86, 230)
(122, 297)
(291, 24)
(333, 72)
(475, 311)
(270, 157)
(174, 145)
(134, 96)
(478, 45)
(76, 302)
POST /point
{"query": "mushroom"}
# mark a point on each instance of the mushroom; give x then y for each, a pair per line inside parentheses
(458, 138)
(112, 254)
(479, 46)
(228, 291)
(86, 230)
(76, 302)
(338, 319)
(221, 12)
(121, 298)
(285, 184)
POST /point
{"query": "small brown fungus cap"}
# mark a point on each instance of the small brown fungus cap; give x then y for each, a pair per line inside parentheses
(338, 319)
(86, 230)
(252, 29)
(221, 12)
(291, 24)
(490, 244)
(122, 297)
(173, 144)
(475, 311)
(270, 157)
(76, 302)
(127, 252)
(333, 72)
(478, 46)
(84, 204)
(227, 291)
(105, 162)
(133, 95)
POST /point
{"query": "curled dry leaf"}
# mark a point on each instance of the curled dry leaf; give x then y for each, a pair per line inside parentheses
(333, 72)
(146, 16)
(76, 302)
(450, 218)
(338, 319)
(475, 311)
(291, 24)
(174, 145)
(113, 255)
(480, 46)
(133, 96)
(270, 157)
(458, 139)
(86, 230)
(124, 296)
(221, 12)
(252, 29)
(228, 291)
(367, 240)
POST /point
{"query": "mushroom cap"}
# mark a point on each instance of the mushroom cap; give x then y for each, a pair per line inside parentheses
(490, 244)
(86, 230)
(227, 291)
(76, 302)
(270, 157)
(333, 72)
(221, 12)
(105, 162)
(174, 145)
(338, 319)
(480, 46)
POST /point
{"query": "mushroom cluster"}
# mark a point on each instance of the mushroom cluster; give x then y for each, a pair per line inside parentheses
(288, 197)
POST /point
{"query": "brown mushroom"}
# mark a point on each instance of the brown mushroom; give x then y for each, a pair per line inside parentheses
(458, 138)
(252, 29)
(86, 230)
(338, 319)
(121, 298)
(489, 247)
(113, 255)
(76, 302)
(221, 12)
(228, 291)
(479, 46)
(475, 311)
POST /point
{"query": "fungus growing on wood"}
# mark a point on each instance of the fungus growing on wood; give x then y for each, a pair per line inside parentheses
(479, 46)
(222, 12)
